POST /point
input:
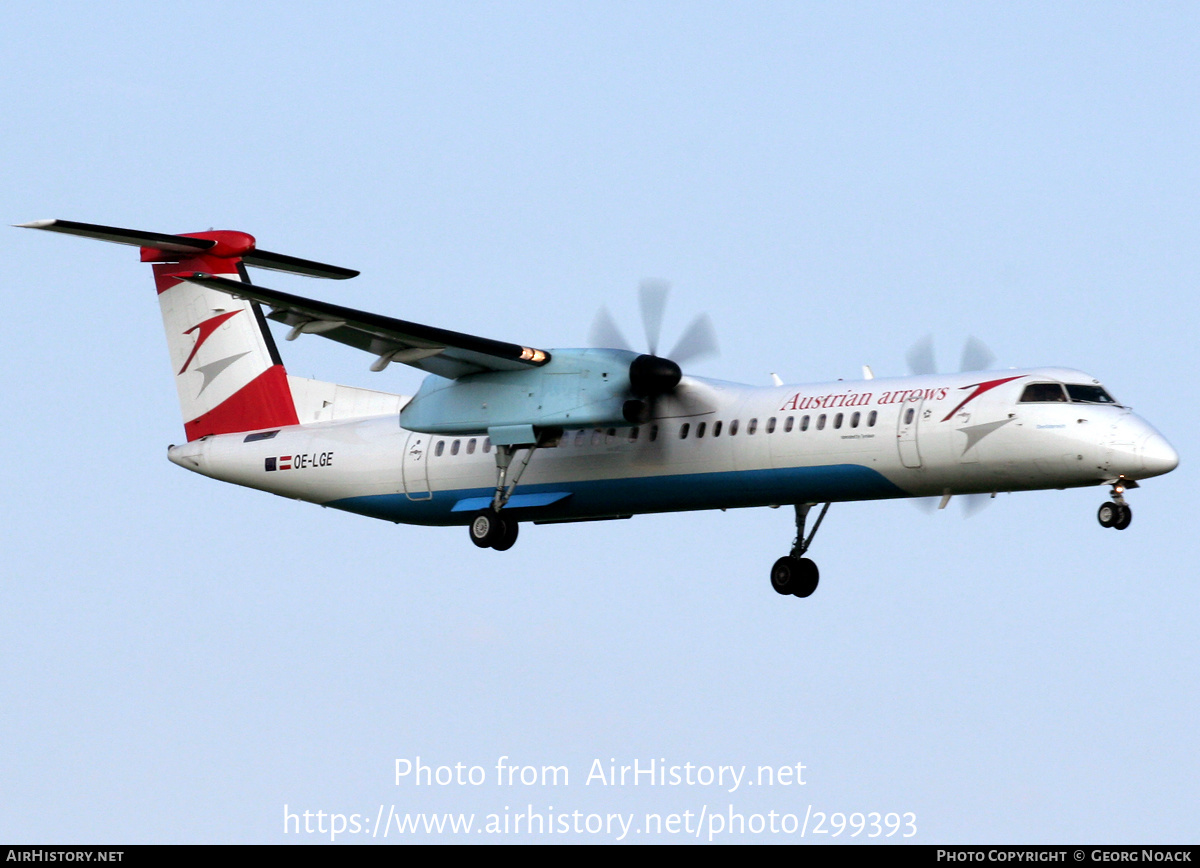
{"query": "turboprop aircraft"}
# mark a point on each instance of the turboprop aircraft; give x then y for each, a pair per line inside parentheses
(500, 433)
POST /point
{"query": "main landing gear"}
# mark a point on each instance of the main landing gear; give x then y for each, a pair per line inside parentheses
(489, 530)
(794, 574)
(1116, 513)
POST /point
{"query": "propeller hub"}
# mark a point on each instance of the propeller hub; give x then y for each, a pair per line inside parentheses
(653, 375)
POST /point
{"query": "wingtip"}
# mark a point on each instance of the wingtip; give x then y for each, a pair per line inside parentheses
(35, 224)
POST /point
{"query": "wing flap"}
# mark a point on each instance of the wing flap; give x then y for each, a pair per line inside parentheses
(434, 350)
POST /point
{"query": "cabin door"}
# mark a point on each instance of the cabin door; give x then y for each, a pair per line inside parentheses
(416, 466)
(906, 432)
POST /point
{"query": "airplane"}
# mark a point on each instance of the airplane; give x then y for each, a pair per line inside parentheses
(499, 434)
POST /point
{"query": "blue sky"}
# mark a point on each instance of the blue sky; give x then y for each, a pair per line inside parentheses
(180, 659)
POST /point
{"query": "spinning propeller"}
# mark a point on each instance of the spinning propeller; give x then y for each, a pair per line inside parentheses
(975, 357)
(654, 379)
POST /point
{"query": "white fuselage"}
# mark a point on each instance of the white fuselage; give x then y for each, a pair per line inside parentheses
(814, 443)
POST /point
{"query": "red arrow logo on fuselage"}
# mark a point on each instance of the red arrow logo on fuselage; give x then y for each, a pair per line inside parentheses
(980, 388)
(206, 329)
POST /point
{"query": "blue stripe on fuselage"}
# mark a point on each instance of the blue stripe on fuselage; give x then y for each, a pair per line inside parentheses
(636, 495)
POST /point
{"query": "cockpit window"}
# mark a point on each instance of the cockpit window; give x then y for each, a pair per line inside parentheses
(1041, 393)
(1089, 395)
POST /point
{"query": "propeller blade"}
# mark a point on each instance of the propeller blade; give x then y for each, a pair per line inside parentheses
(698, 341)
(652, 295)
(689, 398)
(973, 504)
(920, 357)
(693, 398)
(976, 356)
(604, 333)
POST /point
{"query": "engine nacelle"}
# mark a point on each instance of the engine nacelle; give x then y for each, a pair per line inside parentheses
(575, 389)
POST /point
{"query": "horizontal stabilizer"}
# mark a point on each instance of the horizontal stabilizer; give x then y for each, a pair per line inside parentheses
(434, 350)
(173, 247)
(135, 237)
(295, 265)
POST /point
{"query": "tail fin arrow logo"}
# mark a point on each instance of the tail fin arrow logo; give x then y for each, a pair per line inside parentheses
(206, 329)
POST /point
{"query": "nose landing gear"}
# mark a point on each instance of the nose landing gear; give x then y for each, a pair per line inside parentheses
(1116, 513)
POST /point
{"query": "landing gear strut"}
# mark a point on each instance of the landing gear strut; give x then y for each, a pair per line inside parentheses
(794, 574)
(488, 529)
(1116, 513)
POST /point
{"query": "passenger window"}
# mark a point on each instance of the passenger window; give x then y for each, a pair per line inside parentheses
(908, 415)
(821, 422)
(733, 426)
(580, 436)
(854, 419)
(716, 429)
(441, 447)
(787, 424)
(487, 444)
(596, 435)
(471, 446)
(871, 417)
(633, 434)
(751, 426)
(454, 447)
(804, 423)
(771, 425)
(683, 430)
(837, 420)
(653, 433)
(1043, 393)
(610, 435)
(700, 429)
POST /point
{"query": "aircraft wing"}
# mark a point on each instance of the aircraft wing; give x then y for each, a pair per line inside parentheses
(437, 351)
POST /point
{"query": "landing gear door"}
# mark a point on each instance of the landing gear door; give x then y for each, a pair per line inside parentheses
(906, 432)
(416, 466)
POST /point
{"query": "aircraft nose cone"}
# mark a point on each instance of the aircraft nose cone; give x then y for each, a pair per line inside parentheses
(1158, 456)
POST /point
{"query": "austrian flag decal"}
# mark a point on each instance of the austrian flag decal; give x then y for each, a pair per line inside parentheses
(298, 462)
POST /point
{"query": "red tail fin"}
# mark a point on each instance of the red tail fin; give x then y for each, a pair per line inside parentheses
(227, 369)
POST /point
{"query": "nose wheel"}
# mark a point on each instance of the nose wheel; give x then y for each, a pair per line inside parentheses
(1116, 513)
